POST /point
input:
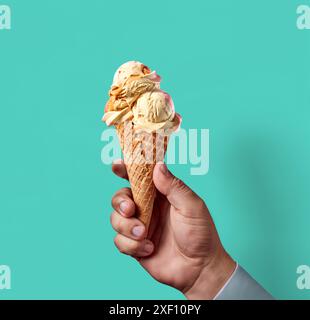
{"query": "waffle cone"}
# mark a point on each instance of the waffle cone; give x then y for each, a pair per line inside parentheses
(141, 151)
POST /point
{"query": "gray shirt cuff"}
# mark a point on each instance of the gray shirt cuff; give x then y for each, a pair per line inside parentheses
(241, 286)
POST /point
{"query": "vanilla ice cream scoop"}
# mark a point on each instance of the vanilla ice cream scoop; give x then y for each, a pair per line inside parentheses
(154, 106)
(128, 69)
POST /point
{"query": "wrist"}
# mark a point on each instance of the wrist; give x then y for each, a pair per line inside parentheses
(212, 277)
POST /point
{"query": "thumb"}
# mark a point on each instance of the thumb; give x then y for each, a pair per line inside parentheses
(177, 192)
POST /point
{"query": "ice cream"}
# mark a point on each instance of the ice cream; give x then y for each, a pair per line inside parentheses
(136, 95)
(154, 111)
(128, 69)
(138, 105)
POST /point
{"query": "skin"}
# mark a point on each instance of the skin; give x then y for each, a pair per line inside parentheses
(182, 248)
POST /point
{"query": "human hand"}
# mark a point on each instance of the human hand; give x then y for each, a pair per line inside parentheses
(182, 248)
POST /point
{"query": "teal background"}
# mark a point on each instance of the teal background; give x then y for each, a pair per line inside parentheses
(239, 68)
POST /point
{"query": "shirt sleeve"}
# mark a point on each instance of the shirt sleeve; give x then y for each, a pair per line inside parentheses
(241, 286)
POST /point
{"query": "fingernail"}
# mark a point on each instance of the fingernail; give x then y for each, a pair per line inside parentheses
(163, 168)
(148, 248)
(123, 206)
(137, 231)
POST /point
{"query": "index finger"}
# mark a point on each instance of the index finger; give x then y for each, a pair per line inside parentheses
(119, 168)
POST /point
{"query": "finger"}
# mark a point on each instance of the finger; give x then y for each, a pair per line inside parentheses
(158, 208)
(133, 247)
(129, 227)
(119, 168)
(122, 202)
(177, 192)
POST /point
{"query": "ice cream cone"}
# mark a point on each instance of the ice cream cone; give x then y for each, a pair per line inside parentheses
(144, 118)
(141, 151)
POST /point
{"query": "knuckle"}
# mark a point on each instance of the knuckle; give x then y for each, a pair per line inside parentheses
(116, 222)
(178, 184)
(123, 191)
(122, 250)
(114, 200)
(115, 240)
(118, 245)
(135, 246)
(122, 246)
(112, 215)
(126, 191)
(200, 204)
(119, 225)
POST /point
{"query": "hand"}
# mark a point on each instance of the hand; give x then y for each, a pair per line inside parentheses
(183, 248)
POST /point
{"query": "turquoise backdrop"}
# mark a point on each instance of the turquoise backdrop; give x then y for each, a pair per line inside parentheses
(239, 68)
